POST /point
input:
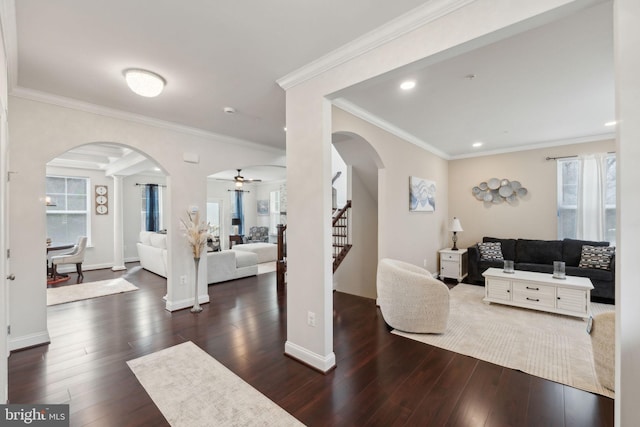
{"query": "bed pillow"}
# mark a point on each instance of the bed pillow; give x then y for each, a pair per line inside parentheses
(596, 257)
(490, 251)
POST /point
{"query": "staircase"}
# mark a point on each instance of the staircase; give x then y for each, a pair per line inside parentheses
(341, 242)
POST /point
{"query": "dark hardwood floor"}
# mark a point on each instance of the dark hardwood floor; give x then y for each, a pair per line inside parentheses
(380, 380)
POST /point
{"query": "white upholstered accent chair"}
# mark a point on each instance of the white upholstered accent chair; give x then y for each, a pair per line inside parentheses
(410, 299)
(76, 256)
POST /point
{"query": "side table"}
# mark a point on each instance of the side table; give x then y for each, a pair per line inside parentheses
(454, 264)
(235, 238)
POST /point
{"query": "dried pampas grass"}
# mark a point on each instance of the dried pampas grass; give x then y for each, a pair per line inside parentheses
(197, 233)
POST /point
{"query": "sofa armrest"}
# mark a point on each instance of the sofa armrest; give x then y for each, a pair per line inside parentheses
(475, 275)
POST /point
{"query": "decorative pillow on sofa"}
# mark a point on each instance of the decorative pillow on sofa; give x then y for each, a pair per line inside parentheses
(490, 251)
(596, 257)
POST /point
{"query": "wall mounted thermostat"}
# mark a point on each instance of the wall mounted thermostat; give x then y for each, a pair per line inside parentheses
(102, 199)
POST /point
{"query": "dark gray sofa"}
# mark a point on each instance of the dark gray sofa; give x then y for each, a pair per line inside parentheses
(539, 255)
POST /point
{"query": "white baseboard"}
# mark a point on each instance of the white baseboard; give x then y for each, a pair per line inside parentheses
(185, 303)
(321, 363)
(30, 340)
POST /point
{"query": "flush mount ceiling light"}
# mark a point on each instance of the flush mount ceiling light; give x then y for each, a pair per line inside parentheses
(143, 82)
(407, 85)
(477, 144)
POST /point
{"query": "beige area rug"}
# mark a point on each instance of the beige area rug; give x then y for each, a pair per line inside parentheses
(266, 267)
(191, 388)
(88, 290)
(546, 345)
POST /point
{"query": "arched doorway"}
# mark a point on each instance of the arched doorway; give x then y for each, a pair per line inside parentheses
(356, 275)
(102, 191)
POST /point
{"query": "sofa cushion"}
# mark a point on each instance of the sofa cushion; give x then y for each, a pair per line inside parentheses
(508, 247)
(572, 250)
(495, 263)
(245, 259)
(490, 250)
(158, 240)
(596, 257)
(538, 251)
(145, 237)
(591, 273)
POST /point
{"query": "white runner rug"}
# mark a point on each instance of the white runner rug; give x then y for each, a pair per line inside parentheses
(546, 345)
(63, 294)
(191, 388)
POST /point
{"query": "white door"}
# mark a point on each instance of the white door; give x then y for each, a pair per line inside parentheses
(5, 264)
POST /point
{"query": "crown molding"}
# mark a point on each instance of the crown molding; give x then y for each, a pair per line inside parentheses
(415, 18)
(34, 95)
(537, 146)
(365, 115)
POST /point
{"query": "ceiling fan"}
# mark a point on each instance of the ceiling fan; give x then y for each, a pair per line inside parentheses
(240, 180)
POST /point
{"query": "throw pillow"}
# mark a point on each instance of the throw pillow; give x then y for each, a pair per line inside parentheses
(490, 251)
(596, 257)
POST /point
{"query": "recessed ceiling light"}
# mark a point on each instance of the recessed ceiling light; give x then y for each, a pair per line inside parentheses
(611, 123)
(408, 85)
(285, 128)
(144, 83)
(477, 144)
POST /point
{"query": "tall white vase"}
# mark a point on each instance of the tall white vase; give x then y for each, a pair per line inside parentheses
(196, 304)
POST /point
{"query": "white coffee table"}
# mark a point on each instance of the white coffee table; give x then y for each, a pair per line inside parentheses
(539, 291)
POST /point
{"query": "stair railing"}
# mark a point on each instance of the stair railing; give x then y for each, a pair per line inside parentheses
(281, 261)
(341, 235)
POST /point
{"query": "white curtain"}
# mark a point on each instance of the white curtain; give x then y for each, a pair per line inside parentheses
(590, 218)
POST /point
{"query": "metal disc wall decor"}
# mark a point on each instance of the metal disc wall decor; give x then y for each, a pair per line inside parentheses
(496, 191)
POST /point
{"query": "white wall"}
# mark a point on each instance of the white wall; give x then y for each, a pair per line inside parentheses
(40, 132)
(538, 207)
(408, 236)
(357, 273)
(338, 165)
(99, 253)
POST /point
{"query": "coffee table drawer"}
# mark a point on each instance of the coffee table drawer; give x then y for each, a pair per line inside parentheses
(541, 300)
(534, 289)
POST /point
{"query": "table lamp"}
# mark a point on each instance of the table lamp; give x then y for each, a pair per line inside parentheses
(235, 222)
(455, 226)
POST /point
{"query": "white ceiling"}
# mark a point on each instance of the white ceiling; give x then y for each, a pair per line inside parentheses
(552, 83)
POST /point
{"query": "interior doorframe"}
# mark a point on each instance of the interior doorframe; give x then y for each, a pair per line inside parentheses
(5, 264)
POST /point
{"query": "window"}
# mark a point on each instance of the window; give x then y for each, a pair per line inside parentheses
(68, 216)
(574, 209)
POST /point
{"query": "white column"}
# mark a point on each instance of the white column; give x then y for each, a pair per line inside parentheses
(118, 230)
(627, 67)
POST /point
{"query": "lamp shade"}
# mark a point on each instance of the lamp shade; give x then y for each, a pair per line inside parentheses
(455, 225)
(235, 221)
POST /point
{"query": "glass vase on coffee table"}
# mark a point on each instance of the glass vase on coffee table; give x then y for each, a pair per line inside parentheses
(508, 267)
(559, 270)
